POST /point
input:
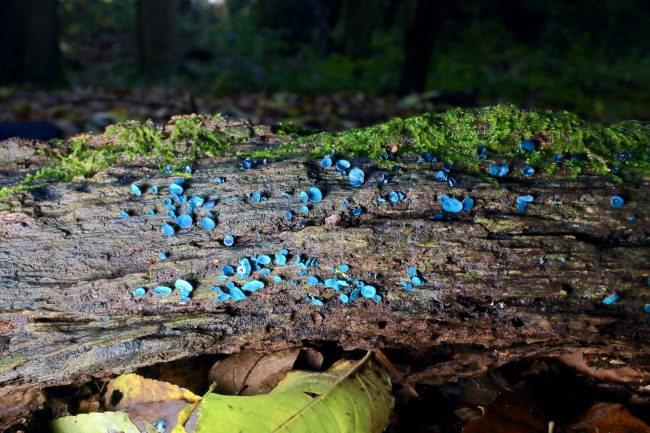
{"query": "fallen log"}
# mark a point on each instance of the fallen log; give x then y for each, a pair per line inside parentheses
(499, 284)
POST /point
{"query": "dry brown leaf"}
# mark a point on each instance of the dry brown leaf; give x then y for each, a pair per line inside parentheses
(251, 373)
(577, 361)
(610, 418)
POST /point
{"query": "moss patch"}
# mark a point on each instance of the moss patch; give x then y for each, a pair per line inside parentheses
(450, 136)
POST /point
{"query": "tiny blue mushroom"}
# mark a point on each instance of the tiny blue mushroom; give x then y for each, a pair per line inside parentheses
(557, 158)
(452, 205)
(136, 190)
(326, 162)
(228, 270)
(140, 291)
(162, 256)
(174, 188)
(312, 281)
(236, 294)
(277, 279)
(253, 286)
(208, 223)
(441, 176)
(154, 189)
(468, 203)
(407, 286)
(646, 308)
(167, 202)
(412, 271)
(344, 298)
(609, 300)
(264, 260)
(161, 425)
(223, 297)
(280, 259)
(244, 268)
(304, 209)
(393, 197)
(256, 197)
(525, 198)
(228, 240)
(196, 201)
(357, 177)
(184, 221)
(368, 291)
(357, 211)
(345, 202)
(303, 196)
(528, 171)
(265, 272)
(314, 194)
(151, 212)
(162, 290)
(246, 164)
(218, 181)
(168, 230)
(123, 214)
(343, 268)
(528, 146)
(342, 164)
(183, 285)
(317, 302)
(289, 216)
(617, 201)
(417, 281)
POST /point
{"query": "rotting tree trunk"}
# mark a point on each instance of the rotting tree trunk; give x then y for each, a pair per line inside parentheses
(68, 266)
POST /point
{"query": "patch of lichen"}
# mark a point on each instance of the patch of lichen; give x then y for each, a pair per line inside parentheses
(456, 134)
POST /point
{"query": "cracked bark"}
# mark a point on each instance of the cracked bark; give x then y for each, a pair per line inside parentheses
(68, 266)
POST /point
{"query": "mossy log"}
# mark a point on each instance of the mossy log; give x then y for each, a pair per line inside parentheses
(499, 285)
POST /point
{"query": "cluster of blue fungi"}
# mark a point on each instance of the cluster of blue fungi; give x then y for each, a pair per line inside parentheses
(183, 212)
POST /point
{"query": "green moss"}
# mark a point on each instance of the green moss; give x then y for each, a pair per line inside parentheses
(456, 134)
(450, 136)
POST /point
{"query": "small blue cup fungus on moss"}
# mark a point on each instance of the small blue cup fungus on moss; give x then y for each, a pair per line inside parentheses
(139, 292)
(528, 171)
(314, 195)
(253, 285)
(162, 290)
(184, 221)
(123, 214)
(450, 204)
(499, 170)
(136, 190)
(326, 162)
(357, 177)
(208, 223)
(228, 240)
(528, 146)
(176, 189)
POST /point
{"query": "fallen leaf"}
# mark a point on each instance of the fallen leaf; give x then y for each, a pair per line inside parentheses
(610, 418)
(251, 373)
(131, 389)
(94, 423)
(577, 361)
(352, 396)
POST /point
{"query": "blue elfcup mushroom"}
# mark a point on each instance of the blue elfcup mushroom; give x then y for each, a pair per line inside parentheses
(154, 189)
(441, 176)
(277, 279)
(617, 201)
(244, 268)
(162, 290)
(162, 256)
(609, 300)
(342, 164)
(558, 158)
(345, 202)
(218, 181)
(368, 291)
(223, 297)
(317, 302)
(256, 197)
(646, 308)
(522, 202)
(175, 189)
(139, 292)
(161, 425)
(184, 221)
(468, 203)
(407, 286)
(265, 272)
(168, 169)
(188, 169)
(412, 271)
(304, 209)
(264, 260)
(393, 197)
(528, 146)
(528, 171)
(451, 205)
(343, 268)
(196, 201)
(344, 298)
(236, 294)
(123, 214)
(228, 240)
(499, 170)
(167, 202)
(357, 211)
(208, 223)
(280, 259)
(136, 190)
(314, 194)
(228, 270)
(357, 177)
(303, 196)
(253, 286)
(168, 230)
(184, 286)
(326, 162)
(312, 281)
(289, 216)
(246, 164)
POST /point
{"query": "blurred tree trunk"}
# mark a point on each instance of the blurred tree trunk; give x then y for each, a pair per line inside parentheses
(359, 18)
(158, 34)
(30, 49)
(419, 39)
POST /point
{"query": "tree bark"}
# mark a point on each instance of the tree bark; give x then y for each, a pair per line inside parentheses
(158, 34)
(30, 48)
(499, 285)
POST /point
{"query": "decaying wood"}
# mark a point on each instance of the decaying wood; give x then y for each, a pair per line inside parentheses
(68, 266)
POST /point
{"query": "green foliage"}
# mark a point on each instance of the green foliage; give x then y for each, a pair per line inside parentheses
(351, 397)
(95, 423)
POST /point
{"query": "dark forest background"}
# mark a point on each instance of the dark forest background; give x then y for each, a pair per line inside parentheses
(322, 64)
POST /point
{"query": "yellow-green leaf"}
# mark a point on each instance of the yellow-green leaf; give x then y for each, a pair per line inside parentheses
(134, 389)
(351, 397)
(95, 423)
